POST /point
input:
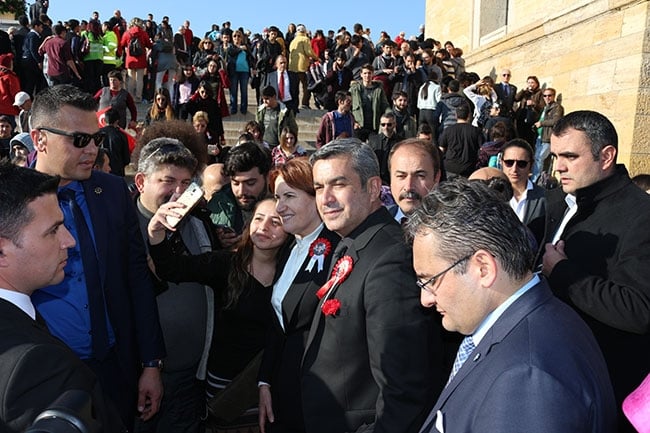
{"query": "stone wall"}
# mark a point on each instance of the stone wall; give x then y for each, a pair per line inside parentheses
(596, 54)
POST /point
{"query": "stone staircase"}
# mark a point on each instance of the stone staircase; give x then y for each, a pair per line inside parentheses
(307, 120)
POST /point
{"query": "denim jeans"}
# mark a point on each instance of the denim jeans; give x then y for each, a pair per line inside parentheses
(239, 79)
(542, 151)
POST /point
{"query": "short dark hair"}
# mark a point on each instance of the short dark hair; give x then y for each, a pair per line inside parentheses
(467, 216)
(247, 156)
(269, 92)
(463, 111)
(20, 186)
(340, 95)
(597, 128)
(363, 158)
(48, 103)
(522, 144)
(111, 116)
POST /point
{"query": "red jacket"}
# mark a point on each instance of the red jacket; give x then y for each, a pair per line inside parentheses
(9, 86)
(137, 62)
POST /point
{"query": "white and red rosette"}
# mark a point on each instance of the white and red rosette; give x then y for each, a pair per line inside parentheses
(318, 250)
(340, 273)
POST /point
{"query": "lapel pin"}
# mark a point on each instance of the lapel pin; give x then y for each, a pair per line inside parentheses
(478, 355)
(98, 190)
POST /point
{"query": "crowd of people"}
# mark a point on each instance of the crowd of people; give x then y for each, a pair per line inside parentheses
(420, 271)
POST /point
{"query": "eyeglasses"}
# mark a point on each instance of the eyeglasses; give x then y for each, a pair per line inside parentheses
(236, 36)
(505, 75)
(520, 163)
(548, 96)
(79, 139)
(387, 124)
(422, 285)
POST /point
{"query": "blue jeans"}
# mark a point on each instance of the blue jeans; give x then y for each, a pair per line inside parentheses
(542, 151)
(239, 79)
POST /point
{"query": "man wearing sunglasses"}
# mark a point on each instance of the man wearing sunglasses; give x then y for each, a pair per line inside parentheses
(527, 363)
(104, 308)
(552, 112)
(528, 200)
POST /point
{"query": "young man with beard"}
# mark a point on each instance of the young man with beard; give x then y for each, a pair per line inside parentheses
(407, 127)
(248, 166)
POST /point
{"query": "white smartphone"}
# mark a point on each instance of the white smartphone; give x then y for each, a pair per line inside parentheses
(189, 198)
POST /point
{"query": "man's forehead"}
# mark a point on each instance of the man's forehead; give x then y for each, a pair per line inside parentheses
(242, 176)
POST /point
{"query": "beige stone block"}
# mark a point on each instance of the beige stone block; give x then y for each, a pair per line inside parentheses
(635, 19)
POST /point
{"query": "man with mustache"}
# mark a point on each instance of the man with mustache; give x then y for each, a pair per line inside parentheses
(414, 166)
(248, 167)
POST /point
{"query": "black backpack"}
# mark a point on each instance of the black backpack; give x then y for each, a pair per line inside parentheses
(135, 46)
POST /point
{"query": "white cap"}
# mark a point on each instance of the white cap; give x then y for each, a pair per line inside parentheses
(21, 98)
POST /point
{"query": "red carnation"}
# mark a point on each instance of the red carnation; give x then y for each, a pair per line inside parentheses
(331, 307)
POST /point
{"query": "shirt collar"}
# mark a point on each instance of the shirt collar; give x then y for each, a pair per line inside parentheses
(491, 318)
(20, 300)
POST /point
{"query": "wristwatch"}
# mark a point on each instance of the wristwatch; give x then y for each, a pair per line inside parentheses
(157, 363)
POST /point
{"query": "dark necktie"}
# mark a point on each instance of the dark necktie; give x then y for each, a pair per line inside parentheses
(506, 90)
(100, 343)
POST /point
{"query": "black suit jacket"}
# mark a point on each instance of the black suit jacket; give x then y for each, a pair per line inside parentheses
(605, 277)
(507, 100)
(285, 347)
(374, 364)
(535, 213)
(36, 368)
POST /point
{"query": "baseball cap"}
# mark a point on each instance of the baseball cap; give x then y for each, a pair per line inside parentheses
(21, 98)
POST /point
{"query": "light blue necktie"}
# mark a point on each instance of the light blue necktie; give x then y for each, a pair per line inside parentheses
(466, 348)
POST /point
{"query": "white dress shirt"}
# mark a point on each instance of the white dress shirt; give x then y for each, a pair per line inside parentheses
(520, 206)
(20, 300)
(571, 202)
(291, 268)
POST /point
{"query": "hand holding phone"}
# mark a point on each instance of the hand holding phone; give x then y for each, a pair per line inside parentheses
(189, 198)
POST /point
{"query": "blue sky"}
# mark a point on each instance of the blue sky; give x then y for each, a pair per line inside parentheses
(256, 14)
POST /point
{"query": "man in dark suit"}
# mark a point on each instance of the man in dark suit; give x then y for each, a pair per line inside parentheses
(506, 93)
(528, 200)
(527, 363)
(372, 358)
(285, 84)
(104, 309)
(35, 367)
(598, 246)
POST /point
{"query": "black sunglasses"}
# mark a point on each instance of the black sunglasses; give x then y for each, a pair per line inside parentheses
(520, 163)
(79, 139)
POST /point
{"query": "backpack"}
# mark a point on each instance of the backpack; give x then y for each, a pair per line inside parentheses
(484, 114)
(135, 46)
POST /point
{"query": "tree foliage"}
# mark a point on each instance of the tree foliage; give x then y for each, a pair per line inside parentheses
(15, 7)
